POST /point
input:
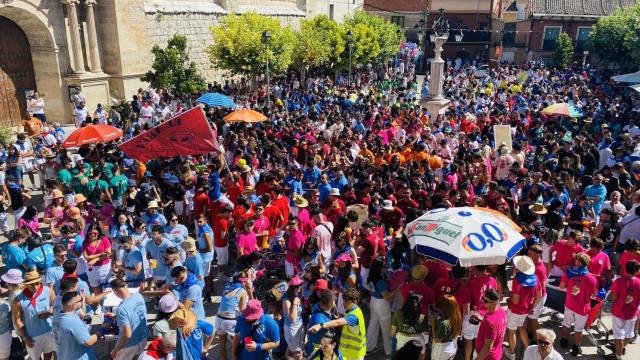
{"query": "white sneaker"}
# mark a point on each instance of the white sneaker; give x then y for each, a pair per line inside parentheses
(508, 353)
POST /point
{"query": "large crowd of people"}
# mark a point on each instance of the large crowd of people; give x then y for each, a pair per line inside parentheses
(302, 218)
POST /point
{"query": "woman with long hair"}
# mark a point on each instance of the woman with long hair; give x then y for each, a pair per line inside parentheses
(311, 254)
(380, 307)
(328, 349)
(96, 250)
(344, 278)
(409, 323)
(342, 246)
(292, 311)
(446, 326)
(54, 212)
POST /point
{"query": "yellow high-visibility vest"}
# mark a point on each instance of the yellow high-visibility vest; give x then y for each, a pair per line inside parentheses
(353, 344)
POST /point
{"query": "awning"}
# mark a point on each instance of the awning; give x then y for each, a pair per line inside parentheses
(632, 78)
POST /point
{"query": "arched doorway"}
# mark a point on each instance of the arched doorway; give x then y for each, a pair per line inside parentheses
(16, 72)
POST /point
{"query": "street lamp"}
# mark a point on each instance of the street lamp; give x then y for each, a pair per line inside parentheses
(266, 36)
(350, 40)
(439, 36)
(396, 57)
(585, 53)
(422, 36)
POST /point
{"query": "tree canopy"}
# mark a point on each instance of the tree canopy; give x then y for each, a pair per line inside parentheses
(172, 69)
(616, 38)
(563, 52)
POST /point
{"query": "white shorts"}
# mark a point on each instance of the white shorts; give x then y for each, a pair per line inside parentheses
(444, 351)
(5, 345)
(537, 311)
(132, 352)
(178, 206)
(514, 321)
(469, 331)
(222, 255)
(578, 321)
(99, 275)
(623, 329)
(225, 327)
(43, 344)
(289, 269)
(206, 268)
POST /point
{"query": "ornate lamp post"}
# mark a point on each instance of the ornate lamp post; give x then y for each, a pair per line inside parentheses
(266, 36)
(436, 103)
(585, 53)
(350, 41)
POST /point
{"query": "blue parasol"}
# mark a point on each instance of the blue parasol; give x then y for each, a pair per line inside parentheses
(216, 99)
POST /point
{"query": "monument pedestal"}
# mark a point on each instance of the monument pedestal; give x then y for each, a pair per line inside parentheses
(435, 106)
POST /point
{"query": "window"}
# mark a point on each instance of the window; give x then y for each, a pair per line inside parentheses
(509, 34)
(581, 38)
(331, 11)
(551, 33)
(398, 20)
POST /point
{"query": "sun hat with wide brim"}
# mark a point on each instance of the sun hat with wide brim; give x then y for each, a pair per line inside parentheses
(524, 264)
(73, 213)
(387, 205)
(538, 209)
(183, 318)
(167, 304)
(153, 205)
(253, 311)
(344, 258)
(31, 277)
(57, 194)
(300, 201)
(80, 198)
(419, 272)
(13, 276)
(335, 192)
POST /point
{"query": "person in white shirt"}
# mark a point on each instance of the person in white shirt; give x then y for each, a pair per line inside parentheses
(146, 113)
(544, 350)
(100, 115)
(80, 114)
(36, 105)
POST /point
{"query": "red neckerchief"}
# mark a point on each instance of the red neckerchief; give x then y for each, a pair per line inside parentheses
(154, 351)
(32, 297)
(72, 275)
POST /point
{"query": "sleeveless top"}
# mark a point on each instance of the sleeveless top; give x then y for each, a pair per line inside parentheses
(229, 303)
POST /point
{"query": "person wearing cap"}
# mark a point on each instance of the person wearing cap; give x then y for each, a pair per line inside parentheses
(492, 328)
(580, 285)
(535, 253)
(13, 279)
(625, 299)
(233, 300)
(31, 311)
(417, 285)
(255, 334)
(479, 282)
(155, 250)
(353, 343)
(334, 208)
(193, 261)
(390, 215)
(131, 319)
(345, 278)
(72, 336)
(188, 291)
(161, 348)
(525, 296)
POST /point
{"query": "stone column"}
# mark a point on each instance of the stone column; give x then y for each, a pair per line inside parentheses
(94, 51)
(76, 45)
(437, 70)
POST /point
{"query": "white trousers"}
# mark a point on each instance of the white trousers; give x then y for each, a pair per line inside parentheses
(380, 319)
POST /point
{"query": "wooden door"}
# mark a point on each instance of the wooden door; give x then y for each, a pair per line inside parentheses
(16, 72)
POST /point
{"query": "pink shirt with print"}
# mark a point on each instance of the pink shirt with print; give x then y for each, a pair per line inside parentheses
(492, 328)
(580, 289)
(627, 303)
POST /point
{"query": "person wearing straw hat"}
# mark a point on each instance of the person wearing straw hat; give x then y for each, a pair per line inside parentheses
(255, 334)
(526, 292)
(197, 335)
(31, 311)
(152, 215)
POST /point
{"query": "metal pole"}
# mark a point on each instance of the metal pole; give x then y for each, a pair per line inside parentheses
(268, 87)
(349, 63)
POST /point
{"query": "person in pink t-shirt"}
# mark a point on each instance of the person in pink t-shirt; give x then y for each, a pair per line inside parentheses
(625, 296)
(632, 252)
(247, 241)
(535, 253)
(563, 251)
(525, 295)
(581, 286)
(454, 286)
(295, 242)
(600, 265)
(492, 328)
(479, 283)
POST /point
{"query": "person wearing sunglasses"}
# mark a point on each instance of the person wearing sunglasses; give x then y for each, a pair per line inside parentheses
(544, 349)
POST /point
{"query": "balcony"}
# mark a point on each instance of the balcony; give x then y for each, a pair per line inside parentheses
(548, 44)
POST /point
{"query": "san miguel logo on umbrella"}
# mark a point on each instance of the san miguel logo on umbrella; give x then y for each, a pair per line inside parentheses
(436, 230)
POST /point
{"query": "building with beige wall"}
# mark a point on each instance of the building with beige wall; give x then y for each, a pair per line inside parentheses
(103, 46)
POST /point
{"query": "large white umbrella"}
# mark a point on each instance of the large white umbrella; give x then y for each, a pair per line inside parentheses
(466, 236)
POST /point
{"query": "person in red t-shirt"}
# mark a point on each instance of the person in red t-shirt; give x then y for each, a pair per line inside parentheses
(334, 208)
(281, 202)
(273, 213)
(437, 270)
(453, 285)
(492, 328)
(390, 216)
(161, 348)
(479, 283)
(200, 202)
(417, 285)
(367, 247)
(525, 295)
(632, 252)
(535, 253)
(220, 227)
(581, 286)
(625, 296)
(563, 252)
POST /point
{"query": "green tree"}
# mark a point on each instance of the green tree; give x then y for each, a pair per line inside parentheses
(616, 38)
(386, 34)
(563, 53)
(360, 44)
(312, 47)
(172, 69)
(239, 48)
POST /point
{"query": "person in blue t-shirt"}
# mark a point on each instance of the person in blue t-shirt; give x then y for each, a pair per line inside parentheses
(74, 342)
(322, 313)
(131, 318)
(200, 334)
(188, 291)
(155, 249)
(262, 330)
(13, 254)
(132, 264)
(55, 272)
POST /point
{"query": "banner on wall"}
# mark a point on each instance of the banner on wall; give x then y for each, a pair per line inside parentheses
(188, 133)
